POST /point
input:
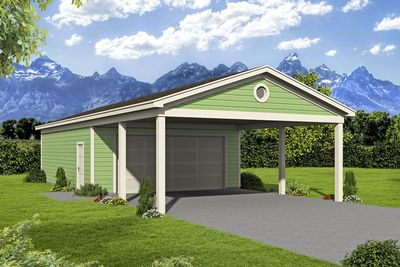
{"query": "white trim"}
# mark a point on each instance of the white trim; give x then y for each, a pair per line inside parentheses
(78, 183)
(282, 161)
(267, 93)
(160, 163)
(92, 155)
(339, 162)
(275, 124)
(115, 162)
(255, 116)
(122, 159)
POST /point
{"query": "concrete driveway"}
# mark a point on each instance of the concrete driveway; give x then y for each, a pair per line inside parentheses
(319, 228)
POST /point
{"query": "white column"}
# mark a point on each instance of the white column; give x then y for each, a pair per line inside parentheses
(122, 159)
(339, 162)
(282, 161)
(91, 155)
(160, 164)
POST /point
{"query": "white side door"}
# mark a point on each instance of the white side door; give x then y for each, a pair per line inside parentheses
(80, 164)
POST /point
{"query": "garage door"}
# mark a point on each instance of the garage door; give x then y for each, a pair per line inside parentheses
(193, 163)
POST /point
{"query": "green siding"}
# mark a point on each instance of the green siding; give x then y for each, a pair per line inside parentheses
(59, 150)
(103, 159)
(241, 98)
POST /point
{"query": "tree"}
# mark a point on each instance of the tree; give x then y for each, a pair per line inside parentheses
(311, 79)
(393, 133)
(8, 129)
(20, 36)
(25, 128)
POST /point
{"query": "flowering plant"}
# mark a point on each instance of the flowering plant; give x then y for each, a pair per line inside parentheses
(353, 198)
(152, 213)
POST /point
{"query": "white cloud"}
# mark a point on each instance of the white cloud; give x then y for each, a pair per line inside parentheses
(222, 29)
(299, 43)
(73, 40)
(389, 48)
(353, 5)
(388, 23)
(331, 53)
(102, 10)
(380, 48)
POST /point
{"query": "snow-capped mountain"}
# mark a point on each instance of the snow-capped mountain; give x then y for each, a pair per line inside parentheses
(47, 91)
(359, 90)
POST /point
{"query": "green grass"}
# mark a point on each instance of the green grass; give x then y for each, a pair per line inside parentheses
(380, 187)
(114, 236)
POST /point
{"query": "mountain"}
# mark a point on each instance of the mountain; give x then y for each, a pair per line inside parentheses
(47, 91)
(359, 90)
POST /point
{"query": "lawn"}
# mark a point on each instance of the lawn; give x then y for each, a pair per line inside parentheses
(114, 236)
(380, 187)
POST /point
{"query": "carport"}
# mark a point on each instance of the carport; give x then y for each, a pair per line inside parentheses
(188, 138)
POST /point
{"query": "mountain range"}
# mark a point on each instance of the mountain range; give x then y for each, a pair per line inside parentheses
(47, 91)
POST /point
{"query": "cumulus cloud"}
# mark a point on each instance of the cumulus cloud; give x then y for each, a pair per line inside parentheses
(222, 29)
(102, 10)
(353, 5)
(331, 53)
(73, 40)
(388, 23)
(299, 43)
(380, 48)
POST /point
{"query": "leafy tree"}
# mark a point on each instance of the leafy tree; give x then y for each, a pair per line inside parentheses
(25, 128)
(8, 129)
(311, 79)
(350, 184)
(146, 199)
(20, 36)
(393, 133)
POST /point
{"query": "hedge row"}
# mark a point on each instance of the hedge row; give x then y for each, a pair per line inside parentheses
(379, 156)
(19, 156)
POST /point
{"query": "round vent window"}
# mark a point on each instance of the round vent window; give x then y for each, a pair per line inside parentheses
(261, 93)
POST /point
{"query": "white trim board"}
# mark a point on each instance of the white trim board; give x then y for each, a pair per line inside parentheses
(252, 116)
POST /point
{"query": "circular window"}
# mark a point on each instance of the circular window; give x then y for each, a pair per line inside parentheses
(261, 93)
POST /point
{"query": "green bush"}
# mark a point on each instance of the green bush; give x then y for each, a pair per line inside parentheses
(19, 156)
(146, 199)
(180, 261)
(91, 190)
(295, 188)
(16, 249)
(35, 176)
(250, 181)
(374, 253)
(117, 201)
(350, 184)
(61, 179)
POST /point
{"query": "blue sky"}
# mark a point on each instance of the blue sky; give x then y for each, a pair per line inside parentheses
(146, 38)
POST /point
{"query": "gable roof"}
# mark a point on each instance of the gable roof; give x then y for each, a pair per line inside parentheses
(159, 100)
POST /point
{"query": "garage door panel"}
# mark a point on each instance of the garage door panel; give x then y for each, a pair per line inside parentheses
(210, 156)
(210, 143)
(184, 143)
(183, 156)
(183, 169)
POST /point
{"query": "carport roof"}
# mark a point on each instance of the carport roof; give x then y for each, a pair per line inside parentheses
(158, 100)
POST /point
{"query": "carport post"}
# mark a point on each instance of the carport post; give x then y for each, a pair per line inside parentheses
(339, 162)
(282, 163)
(122, 159)
(160, 163)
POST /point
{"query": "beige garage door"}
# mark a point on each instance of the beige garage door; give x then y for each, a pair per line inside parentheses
(193, 163)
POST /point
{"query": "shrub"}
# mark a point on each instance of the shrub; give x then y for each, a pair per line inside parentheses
(91, 190)
(329, 197)
(70, 185)
(250, 181)
(350, 184)
(152, 213)
(180, 261)
(16, 248)
(271, 188)
(19, 156)
(374, 253)
(295, 188)
(35, 176)
(301, 192)
(146, 199)
(61, 179)
(353, 198)
(117, 201)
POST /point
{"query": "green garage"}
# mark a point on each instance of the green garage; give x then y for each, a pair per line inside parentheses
(188, 138)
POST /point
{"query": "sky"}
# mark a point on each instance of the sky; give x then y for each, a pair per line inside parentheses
(147, 38)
